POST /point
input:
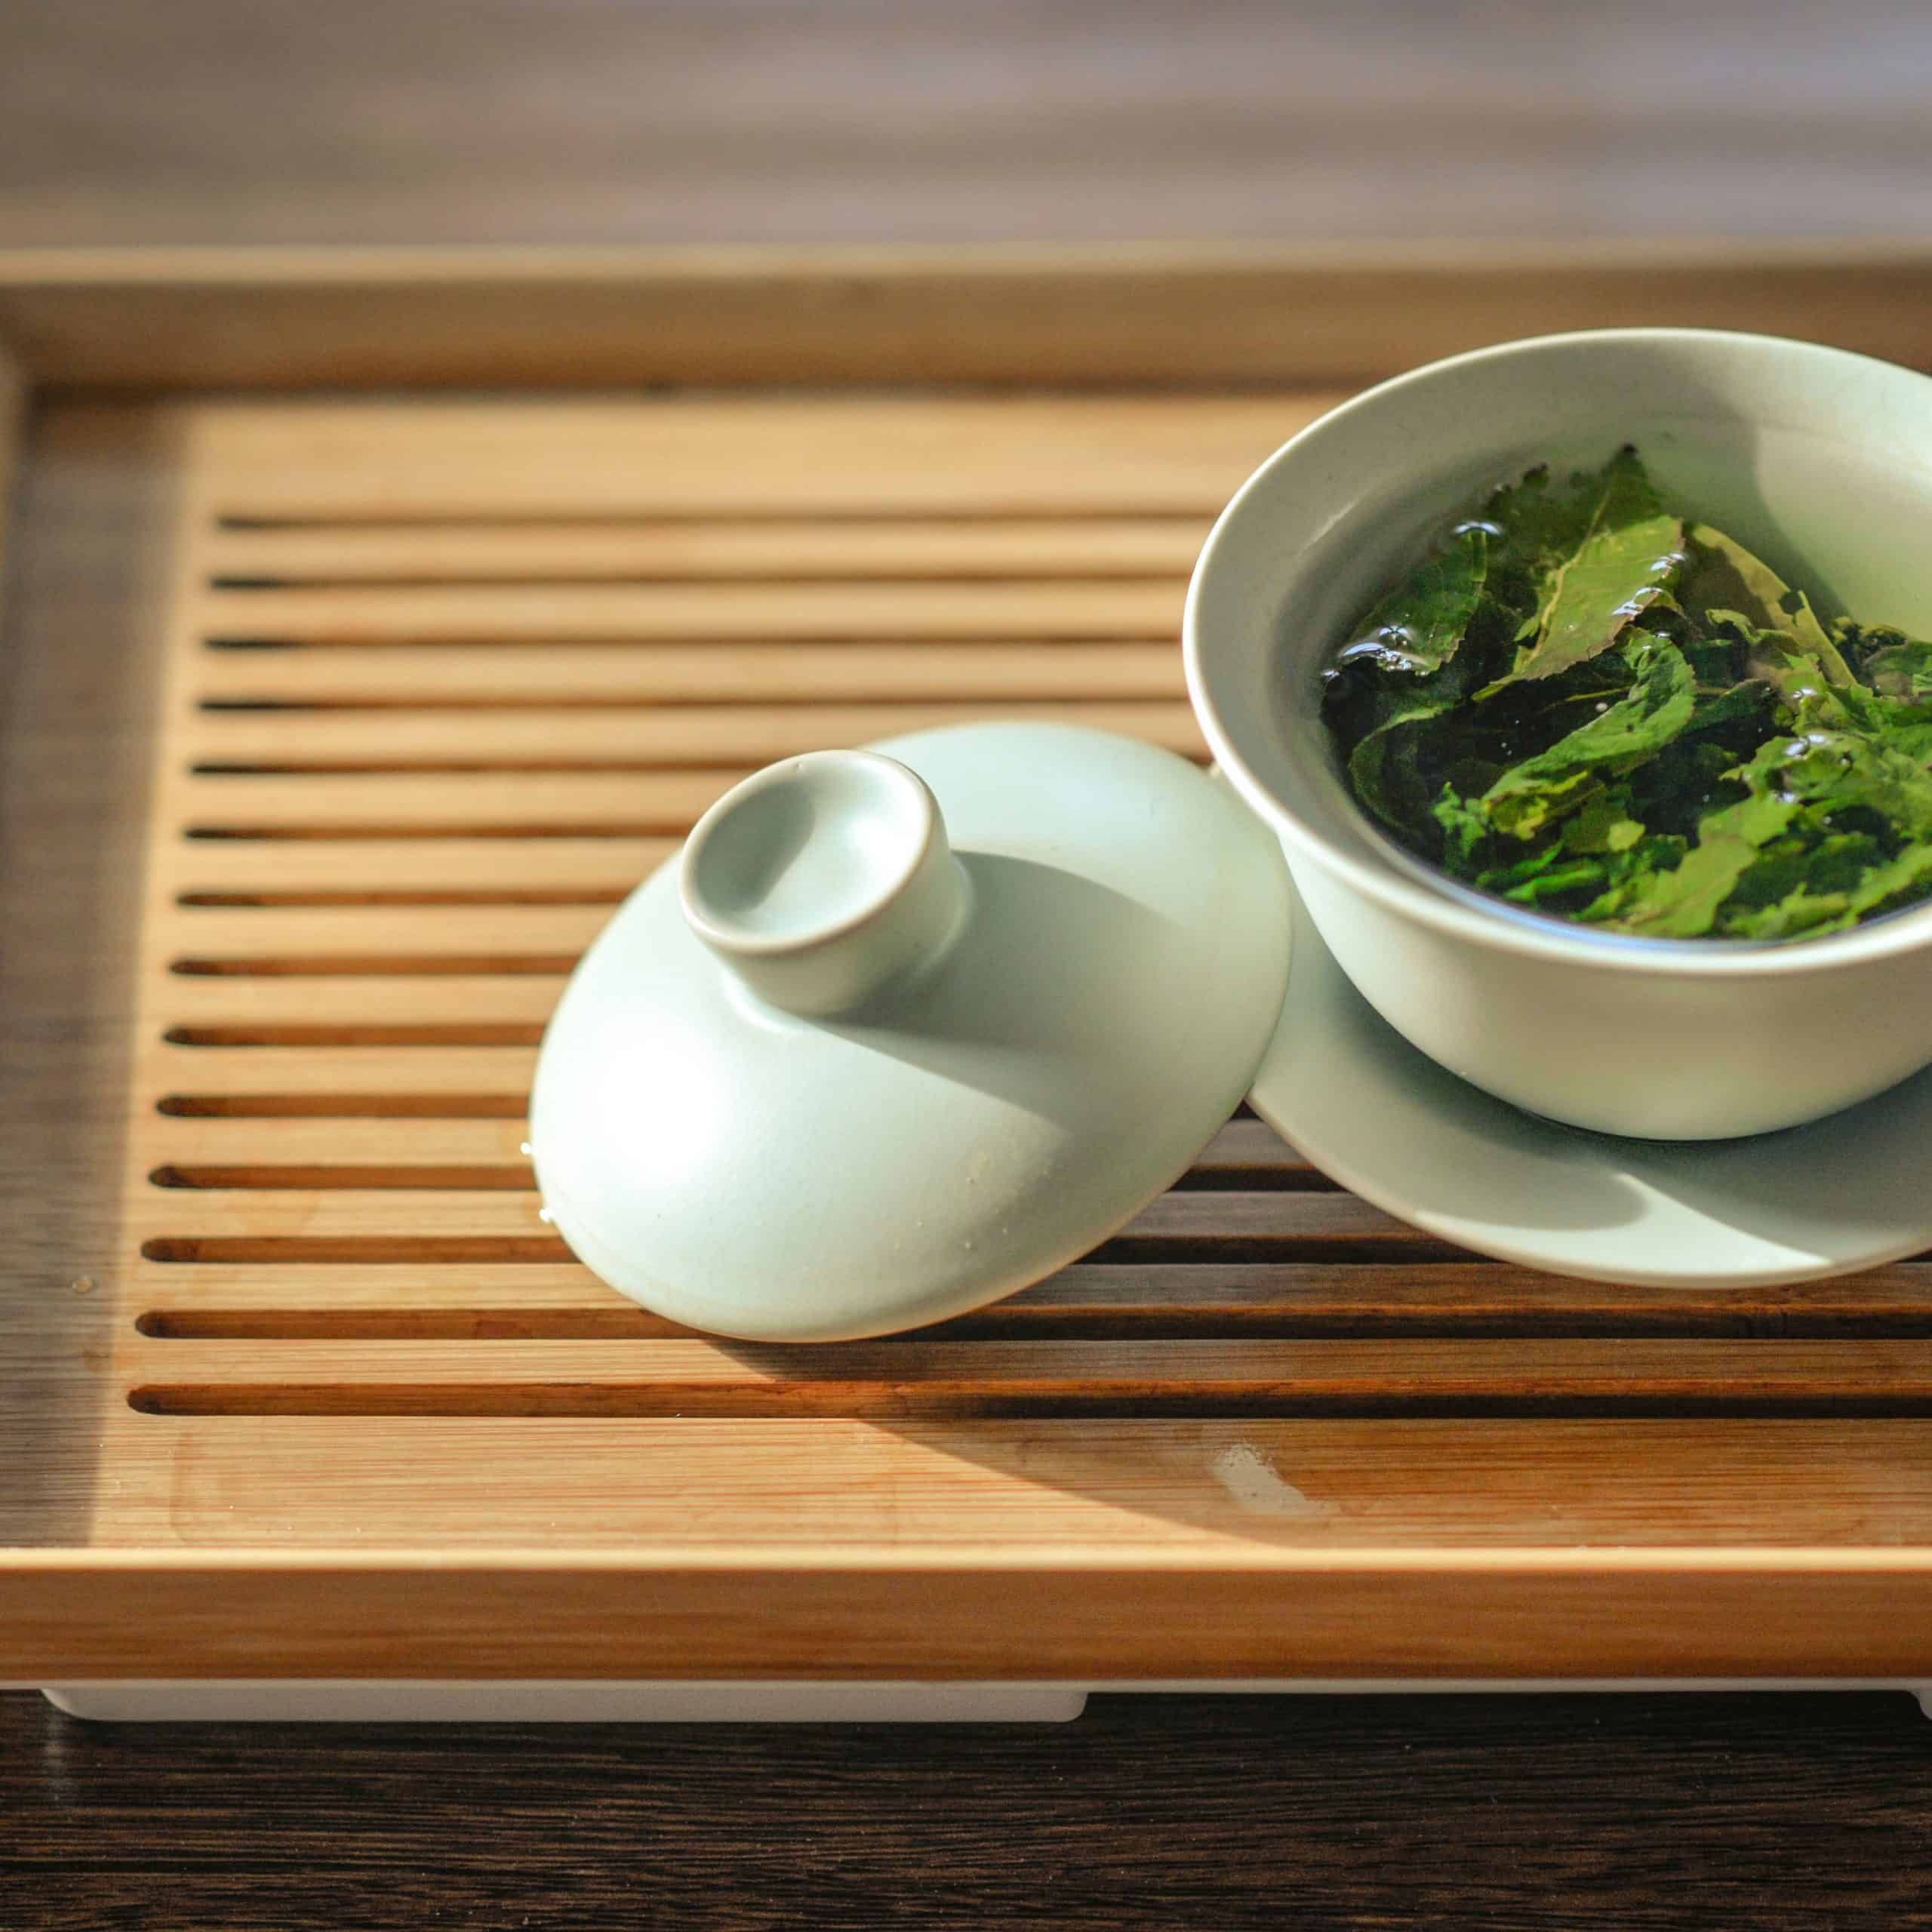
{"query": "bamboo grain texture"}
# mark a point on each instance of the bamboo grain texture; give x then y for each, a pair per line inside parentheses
(439, 684)
(1190, 318)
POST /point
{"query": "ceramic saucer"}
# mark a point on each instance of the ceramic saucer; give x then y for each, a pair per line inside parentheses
(1380, 1117)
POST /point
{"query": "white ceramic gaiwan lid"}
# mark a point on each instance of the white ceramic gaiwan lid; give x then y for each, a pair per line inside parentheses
(904, 1030)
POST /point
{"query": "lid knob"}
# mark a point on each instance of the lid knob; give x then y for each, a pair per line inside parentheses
(820, 879)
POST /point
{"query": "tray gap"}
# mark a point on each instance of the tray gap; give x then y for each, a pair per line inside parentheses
(504, 1177)
(409, 1249)
(343, 1106)
(1198, 514)
(321, 1176)
(372, 1033)
(384, 831)
(405, 896)
(428, 705)
(767, 576)
(895, 1401)
(622, 1321)
(377, 965)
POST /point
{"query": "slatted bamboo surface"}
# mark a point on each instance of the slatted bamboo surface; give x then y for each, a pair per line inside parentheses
(438, 683)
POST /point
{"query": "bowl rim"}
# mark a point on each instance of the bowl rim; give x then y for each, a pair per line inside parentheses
(1507, 928)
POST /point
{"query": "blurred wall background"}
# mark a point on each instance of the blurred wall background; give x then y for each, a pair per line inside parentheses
(913, 121)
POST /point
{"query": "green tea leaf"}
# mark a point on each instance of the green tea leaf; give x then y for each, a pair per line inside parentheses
(1581, 708)
(1744, 701)
(1532, 525)
(1576, 875)
(1603, 824)
(1418, 626)
(1630, 557)
(1724, 576)
(1800, 914)
(1681, 903)
(1628, 872)
(1797, 679)
(1521, 871)
(1766, 652)
(1840, 770)
(1661, 699)
(1799, 861)
(1901, 669)
(1381, 768)
(1908, 875)
(1464, 828)
(1807, 909)
(1718, 658)
(1909, 737)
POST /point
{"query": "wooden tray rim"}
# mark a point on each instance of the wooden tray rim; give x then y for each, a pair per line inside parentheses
(804, 316)
(556, 317)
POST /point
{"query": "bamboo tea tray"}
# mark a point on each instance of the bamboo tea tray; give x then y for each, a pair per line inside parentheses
(336, 724)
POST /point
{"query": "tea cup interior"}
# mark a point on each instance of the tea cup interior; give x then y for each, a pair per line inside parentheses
(1819, 461)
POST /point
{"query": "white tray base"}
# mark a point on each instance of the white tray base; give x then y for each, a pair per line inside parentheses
(375, 1700)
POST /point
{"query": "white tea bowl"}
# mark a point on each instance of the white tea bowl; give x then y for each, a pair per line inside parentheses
(1819, 461)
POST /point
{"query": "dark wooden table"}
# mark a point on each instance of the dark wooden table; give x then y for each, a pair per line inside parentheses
(410, 121)
(1765, 1812)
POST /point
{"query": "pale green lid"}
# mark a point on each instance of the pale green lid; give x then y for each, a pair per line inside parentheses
(904, 1030)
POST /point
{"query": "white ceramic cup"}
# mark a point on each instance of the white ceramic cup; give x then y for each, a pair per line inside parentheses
(1818, 460)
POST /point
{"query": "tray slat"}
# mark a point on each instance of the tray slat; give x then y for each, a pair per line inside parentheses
(265, 934)
(1192, 1297)
(566, 676)
(501, 614)
(513, 741)
(454, 872)
(857, 550)
(899, 1378)
(1162, 1488)
(392, 810)
(559, 461)
(394, 1217)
